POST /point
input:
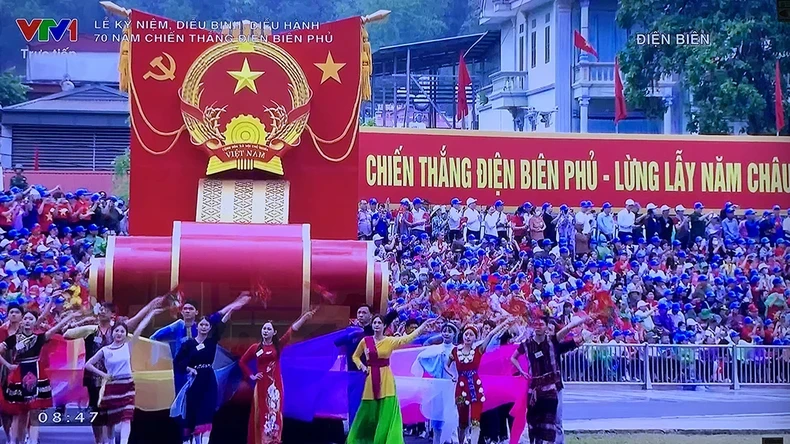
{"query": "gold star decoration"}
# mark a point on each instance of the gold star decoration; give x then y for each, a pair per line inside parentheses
(330, 69)
(245, 78)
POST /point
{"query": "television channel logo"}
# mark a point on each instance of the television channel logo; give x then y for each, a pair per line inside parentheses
(44, 30)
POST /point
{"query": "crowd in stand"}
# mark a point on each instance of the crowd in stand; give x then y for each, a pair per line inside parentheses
(652, 275)
(47, 240)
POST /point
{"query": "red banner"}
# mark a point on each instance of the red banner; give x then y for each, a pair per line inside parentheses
(196, 93)
(753, 172)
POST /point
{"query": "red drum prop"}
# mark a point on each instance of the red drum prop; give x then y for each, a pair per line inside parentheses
(220, 260)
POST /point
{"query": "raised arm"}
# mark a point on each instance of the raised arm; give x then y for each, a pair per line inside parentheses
(303, 319)
(44, 312)
(144, 323)
(135, 321)
(571, 325)
(403, 340)
(228, 310)
(494, 333)
(63, 322)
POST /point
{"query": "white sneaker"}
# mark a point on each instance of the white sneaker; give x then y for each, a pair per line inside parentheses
(346, 426)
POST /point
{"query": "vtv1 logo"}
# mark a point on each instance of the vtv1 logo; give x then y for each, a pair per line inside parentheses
(43, 29)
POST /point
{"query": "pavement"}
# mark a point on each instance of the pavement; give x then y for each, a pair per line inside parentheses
(598, 408)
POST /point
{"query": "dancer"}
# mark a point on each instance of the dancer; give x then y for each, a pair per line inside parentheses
(27, 386)
(544, 416)
(9, 328)
(349, 344)
(378, 420)
(117, 393)
(433, 361)
(266, 417)
(186, 328)
(194, 359)
(469, 395)
(97, 336)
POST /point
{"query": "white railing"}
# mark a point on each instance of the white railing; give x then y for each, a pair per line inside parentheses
(657, 364)
(603, 73)
(509, 81)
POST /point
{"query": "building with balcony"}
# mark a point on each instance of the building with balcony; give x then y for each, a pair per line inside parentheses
(545, 84)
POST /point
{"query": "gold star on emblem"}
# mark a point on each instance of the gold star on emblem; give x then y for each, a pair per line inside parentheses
(245, 78)
(330, 69)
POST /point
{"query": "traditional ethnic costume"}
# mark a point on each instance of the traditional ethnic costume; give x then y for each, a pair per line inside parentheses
(117, 397)
(266, 416)
(175, 335)
(378, 420)
(469, 395)
(349, 343)
(544, 417)
(200, 398)
(432, 361)
(27, 387)
(95, 338)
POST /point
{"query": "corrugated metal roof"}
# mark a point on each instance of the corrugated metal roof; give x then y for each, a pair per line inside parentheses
(86, 99)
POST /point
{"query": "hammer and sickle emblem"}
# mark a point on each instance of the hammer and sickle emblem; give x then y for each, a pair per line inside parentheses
(166, 72)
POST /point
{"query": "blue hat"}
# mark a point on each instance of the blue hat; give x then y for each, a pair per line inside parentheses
(417, 201)
(50, 269)
(21, 272)
(24, 232)
(14, 253)
(412, 288)
(521, 275)
(749, 212)
(538, 280)
(578, 303)
(498, 287)
(437, 276)
(679, 290)
(66, 230)
(606, 205)
(463, 287)
(748, 321)
(688, 307)
(481, 290)
(49, 255)
(564, 250)
(617, 333)
(455, 201)
(675, 306)
(95, 197)
(702, 278)
(80, 229)
(733, 334)
(555, 275)
(545, 205)
(654, 263)
(547, 294)
(563, 207)
(698, 206)
(655, 240)
(676, 243)
(3, 285)
(682, 254)
(38, 269)
(93, 227)
(499, 203)
(514, 287)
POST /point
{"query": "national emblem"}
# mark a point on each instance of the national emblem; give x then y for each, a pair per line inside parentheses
(233, 124)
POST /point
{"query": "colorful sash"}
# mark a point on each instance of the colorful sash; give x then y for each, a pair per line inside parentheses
(375, 364)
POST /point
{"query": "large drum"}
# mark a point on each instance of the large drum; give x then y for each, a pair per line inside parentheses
(213, 262)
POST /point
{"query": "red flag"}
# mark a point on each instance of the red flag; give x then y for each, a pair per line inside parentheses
(580, 42)
(780, 111)
(262, 293)
(620, 112)
(326, 295)
(463, 81)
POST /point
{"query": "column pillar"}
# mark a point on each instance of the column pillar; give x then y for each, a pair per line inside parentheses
(584, 103)
(563, 41)
(668, 115)
(585, 25)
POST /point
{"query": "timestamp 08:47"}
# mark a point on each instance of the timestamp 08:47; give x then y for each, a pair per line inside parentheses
(56, 417)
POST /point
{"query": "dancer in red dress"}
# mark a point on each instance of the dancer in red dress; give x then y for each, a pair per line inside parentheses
(27, 387)
(261, 364)
(469, 395)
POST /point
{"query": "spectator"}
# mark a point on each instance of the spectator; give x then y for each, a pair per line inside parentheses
(18, 180)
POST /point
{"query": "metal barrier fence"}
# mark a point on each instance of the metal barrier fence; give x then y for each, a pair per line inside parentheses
(658, 364)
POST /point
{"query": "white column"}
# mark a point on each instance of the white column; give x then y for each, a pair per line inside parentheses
(668, 115)
(563, 41)
(585, 25)
(584, 103)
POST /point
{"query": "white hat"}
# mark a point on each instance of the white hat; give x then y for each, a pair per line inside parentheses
(471, 200)
(641, 304)
(665, 208)
(680, 208)
(455, 272)
(42, 249)
(469, 271)
(2, 231)
(651, 206)
(629, 202)
(691, 322)
(424, 271)
(4, 243)
(377, 237)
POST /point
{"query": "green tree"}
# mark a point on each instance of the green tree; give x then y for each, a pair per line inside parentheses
(12, 91)
(120, 180)
(730, 80)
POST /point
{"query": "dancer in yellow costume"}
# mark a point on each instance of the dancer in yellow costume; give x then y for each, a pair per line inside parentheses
(378, 420)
